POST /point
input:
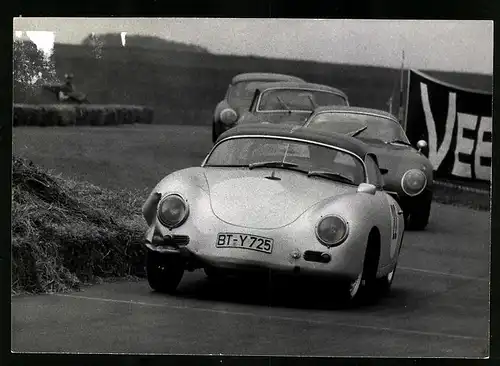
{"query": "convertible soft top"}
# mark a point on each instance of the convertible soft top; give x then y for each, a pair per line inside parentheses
(301, 85)
(282, 130)
(354, 109)
(264, 76)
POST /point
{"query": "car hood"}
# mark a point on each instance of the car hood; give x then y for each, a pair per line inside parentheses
(397, 159)
(244, 197)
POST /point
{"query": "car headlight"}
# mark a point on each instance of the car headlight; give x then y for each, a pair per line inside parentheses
(173, 211)
(413, 182)
(228, 116)
(331, 230)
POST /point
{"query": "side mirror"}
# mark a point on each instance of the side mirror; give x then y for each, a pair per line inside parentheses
(367, 188)
(421, 144)
(383, 171)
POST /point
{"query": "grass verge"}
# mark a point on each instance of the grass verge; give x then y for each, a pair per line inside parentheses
(67, 233)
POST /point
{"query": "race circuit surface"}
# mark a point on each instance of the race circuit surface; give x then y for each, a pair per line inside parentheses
(439, 306)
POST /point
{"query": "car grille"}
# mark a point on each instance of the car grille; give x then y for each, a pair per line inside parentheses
(178, 240)
(174, 241)
(313, 256)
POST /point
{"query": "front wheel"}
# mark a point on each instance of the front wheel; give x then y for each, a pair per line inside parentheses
(420, 212)
(215, 132)
(363, 287)
(214, 137)
(164, 272)
(384, 283)
(213, 274)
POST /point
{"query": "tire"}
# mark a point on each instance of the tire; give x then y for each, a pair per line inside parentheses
(164, 272)
(213, 133)
(419, 214)
(384, 284)
(364, 287)
(212, 273)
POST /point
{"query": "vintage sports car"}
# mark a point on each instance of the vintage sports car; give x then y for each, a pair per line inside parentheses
(408, 174)
(277, 199)
(288, 102)
(238, 97)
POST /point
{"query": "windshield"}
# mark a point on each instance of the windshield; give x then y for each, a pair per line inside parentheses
(377, 128)
(241, 94)
(282, 100)
(303, 156)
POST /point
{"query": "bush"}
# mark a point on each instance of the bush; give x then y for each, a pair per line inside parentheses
(65, 233)
(84, 114)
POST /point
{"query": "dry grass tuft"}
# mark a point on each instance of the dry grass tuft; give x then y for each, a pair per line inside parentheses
(67, 233)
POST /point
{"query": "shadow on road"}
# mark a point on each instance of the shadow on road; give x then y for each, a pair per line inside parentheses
(284, 292)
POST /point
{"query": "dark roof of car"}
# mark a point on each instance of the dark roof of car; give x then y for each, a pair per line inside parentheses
(301, 85)
(355, 109)
(283, 130)
(264, 76)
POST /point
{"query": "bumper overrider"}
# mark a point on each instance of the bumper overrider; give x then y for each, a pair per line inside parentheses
(292, 249)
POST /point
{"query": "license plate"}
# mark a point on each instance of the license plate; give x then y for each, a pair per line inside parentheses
(245, 241)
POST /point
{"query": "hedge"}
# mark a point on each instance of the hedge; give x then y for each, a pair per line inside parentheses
(80, 115)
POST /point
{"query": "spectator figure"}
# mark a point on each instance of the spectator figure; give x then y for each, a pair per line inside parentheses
(66, 92)
(67, 88)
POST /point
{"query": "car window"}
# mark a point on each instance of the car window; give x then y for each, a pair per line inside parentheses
(373, 171)
(297, 99)
(241, 94)
(378, 128)
(231, 153)
(308, 156)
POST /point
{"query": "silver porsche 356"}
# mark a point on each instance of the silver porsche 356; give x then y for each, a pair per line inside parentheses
(282, 199)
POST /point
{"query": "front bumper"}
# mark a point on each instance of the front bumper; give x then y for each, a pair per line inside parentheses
(295, 250)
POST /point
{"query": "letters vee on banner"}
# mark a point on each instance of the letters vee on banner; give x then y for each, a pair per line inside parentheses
(455, 122)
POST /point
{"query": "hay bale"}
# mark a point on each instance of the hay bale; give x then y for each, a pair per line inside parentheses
(80, 115)
(26, 115)
(66, 232)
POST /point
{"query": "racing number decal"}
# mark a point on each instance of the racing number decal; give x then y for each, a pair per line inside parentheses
(394, 225)
(394, 222)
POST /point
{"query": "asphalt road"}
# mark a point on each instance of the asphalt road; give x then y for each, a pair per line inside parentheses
(439, 307)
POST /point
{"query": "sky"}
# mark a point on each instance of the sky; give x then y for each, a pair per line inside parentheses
(449, 45)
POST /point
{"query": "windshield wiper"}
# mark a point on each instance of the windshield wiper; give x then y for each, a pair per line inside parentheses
(313, 103)
(330, 175)
(283, 104)
(397, 141)
(272, 164)
(357, 132)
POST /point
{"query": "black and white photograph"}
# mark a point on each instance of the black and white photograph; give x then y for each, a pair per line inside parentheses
(251, 186)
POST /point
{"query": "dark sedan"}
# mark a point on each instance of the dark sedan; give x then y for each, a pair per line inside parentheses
(408, 174)
(239, 96)
(288, 103)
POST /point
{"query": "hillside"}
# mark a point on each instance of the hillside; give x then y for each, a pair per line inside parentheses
(139, 41)
(184, 86)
